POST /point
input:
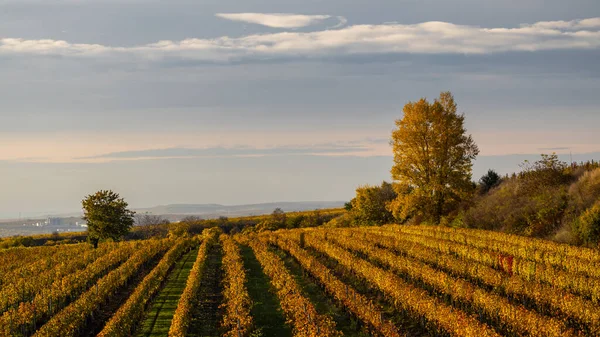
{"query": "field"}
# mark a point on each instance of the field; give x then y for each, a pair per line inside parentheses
(368, 281)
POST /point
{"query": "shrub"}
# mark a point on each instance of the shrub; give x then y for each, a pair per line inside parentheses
(370, 204)
(586, 190)
(211, 233)
(587, 227)
(268, 225)
(548, 171)
(344, 220)
(565, 235)
(178, 229)
(294, 221)
(498, 210)
(548, 207)
(18, 241)
(516, 207)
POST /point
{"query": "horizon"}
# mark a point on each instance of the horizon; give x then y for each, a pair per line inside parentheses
(34, 215)
(236, 103)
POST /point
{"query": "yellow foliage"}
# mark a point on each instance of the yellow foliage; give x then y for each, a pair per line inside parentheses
(432, 159)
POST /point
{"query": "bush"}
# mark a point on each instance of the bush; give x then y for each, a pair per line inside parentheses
(498, 210)
(458, 221)
(587, 227)
(548, 171)
(268, 225)
(547, 209)
(19, 241)
(565, 235)
(211, 233)
(294, 221)
(344, 220)
(586, 190)
(179, 229)
(370, 204)
(516, 207)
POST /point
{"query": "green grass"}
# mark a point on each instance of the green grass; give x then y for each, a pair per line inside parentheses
(158, 319)
(266, 311)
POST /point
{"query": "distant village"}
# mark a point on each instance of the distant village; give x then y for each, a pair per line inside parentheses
(57, 223)
(46, 225)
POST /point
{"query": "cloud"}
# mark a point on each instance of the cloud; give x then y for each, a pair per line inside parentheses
(554, 148)
(592, 23)
(423, 38)
(276, 20)
(239, 151)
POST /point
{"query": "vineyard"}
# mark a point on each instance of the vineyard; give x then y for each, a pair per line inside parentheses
(368, 281)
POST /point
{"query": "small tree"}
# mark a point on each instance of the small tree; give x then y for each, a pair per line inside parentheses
(370, 204)
(107, 216)
(278, 216)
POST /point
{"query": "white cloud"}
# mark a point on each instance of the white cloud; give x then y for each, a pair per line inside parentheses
(592, 23)
(276, 20)
(51, 47)
(424, 38)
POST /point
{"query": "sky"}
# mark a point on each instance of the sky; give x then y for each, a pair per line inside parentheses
(232, 102)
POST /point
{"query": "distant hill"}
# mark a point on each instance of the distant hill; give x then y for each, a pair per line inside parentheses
(215, 210)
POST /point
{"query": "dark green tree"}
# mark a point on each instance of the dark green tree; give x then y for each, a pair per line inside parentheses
(107, 216)
(490, 180)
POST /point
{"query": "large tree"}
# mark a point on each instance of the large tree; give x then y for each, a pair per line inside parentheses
(432, 159)
(107, 216)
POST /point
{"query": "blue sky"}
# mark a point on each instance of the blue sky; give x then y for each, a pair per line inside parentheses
(254, 101)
